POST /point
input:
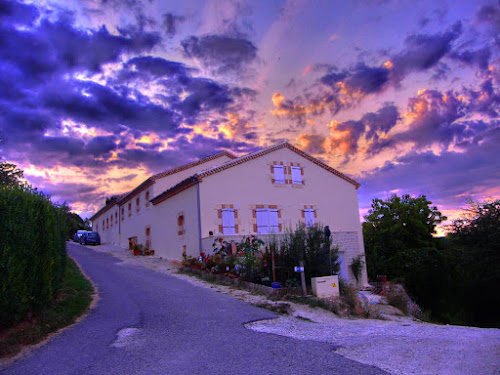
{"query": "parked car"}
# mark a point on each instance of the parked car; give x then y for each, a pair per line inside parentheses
(78, 235)
(90, 238)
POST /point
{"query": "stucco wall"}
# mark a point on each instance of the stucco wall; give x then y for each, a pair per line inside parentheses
(250, 184)
(135, 225)
(167, 242)
(108, 235)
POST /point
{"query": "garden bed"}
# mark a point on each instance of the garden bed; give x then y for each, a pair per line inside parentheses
(237, 281)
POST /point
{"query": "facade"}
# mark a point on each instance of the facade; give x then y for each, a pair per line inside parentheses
(260, 193)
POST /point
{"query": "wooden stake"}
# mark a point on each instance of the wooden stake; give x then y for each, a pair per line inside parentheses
(303, 278)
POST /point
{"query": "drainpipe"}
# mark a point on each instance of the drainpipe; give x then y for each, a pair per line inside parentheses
(199, 214)
(119, 225)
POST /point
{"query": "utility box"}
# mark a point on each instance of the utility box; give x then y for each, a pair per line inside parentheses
(325, 286)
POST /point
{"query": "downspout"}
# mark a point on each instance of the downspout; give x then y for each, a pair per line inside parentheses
(199, 214)
(119, 225)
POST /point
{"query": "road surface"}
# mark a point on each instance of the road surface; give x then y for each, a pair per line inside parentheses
(151, 323)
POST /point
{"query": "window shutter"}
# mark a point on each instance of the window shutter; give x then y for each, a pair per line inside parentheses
(296, 175)
(273, 221)
(228, 221)
(262, 221)
(309, 216)
(279, 174)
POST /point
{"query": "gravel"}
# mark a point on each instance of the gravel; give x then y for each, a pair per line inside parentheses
(403, 346)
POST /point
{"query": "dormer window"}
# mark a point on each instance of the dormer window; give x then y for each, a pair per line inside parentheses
(279, 174)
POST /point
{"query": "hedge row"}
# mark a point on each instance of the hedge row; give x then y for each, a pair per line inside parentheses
(32, 253)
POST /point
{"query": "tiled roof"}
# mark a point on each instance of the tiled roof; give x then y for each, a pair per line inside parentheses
(267, 150)
(172, 171)
(123, 198)
(190, 181)
(107, 207)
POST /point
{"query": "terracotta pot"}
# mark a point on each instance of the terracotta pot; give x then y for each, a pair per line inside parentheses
(136, 252)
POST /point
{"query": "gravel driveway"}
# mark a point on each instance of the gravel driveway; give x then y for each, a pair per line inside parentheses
(404, 347)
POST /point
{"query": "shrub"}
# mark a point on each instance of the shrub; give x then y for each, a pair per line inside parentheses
(311, 246)
(32, 252)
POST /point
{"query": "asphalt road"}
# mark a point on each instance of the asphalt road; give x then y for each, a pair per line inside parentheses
(151, 323)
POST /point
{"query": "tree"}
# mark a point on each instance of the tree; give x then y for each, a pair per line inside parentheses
(111, 199)
(10, 175)
(393, 228)
(73, 221)
(476, 247)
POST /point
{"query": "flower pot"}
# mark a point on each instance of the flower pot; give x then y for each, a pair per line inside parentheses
(275, 285)
(137, 252)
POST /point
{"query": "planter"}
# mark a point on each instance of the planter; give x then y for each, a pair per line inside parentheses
(275, 285)
(136, 252)
(151, 252)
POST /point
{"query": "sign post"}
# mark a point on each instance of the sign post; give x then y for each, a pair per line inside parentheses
(302, 277)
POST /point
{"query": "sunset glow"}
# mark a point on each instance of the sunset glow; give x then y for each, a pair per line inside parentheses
(404, 97)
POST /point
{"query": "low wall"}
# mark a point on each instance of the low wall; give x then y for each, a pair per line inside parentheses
(236, 281)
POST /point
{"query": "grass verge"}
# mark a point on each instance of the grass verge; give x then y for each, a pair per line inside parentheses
(74, 299)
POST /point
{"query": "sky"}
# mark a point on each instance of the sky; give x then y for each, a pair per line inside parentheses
(403, 96)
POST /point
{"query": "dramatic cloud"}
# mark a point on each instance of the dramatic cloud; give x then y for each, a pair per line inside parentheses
(98, 95)
(434, 177)
(221, 53)
(362, 79)
(171, 22)
(422, 52)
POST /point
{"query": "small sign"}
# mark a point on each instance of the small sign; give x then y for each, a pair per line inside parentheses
(298, 269)
(334, 285)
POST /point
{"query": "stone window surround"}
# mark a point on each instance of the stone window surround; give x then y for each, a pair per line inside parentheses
(237, 223)
(181, 224)
(287, 169)
(309, 207)
(269, 206)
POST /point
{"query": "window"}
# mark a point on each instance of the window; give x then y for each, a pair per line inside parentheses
(148, 237)
(116, 217)
(309, 217)
(180, 224)
(137, 204)
(111, 220)
(297, 175)
(97, 227)
(129, 209)
(279, 174)
(103, 225)
(147, 198)
(267, 221)
(107, 223)
(228, 225)
(123, 213)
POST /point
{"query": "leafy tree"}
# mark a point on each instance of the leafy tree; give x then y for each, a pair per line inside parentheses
(10, 175)
(111, 199)
(73, 221)
(395, 226)
(475, 247)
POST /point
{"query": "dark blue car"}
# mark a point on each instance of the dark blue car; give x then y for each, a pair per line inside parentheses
(90, 238)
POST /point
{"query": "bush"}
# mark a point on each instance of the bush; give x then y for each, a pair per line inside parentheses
(32, 252)
(311, 246)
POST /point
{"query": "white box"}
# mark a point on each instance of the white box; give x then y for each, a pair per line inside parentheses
(325, 286)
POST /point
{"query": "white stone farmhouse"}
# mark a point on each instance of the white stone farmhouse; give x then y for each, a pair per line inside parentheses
(185, 208)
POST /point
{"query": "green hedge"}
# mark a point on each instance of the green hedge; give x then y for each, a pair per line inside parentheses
(32, 253)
